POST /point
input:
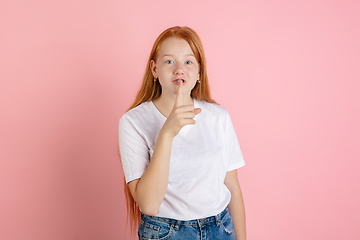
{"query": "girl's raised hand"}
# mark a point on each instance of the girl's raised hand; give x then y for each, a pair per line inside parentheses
(180, 115)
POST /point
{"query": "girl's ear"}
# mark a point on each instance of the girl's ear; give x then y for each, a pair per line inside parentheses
(153, 68)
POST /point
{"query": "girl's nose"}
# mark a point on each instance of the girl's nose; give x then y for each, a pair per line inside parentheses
(179, 69)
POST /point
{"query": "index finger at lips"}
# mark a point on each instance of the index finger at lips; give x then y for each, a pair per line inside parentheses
(179, 96)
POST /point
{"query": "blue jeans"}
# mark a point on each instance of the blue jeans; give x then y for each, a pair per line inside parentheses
(215, 227)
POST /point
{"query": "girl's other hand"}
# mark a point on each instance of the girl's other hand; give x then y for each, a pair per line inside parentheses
(180, 115)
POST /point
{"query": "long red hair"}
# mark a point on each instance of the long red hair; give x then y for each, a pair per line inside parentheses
(151, 90)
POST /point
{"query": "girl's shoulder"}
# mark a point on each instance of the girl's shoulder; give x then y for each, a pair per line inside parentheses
(139, 112)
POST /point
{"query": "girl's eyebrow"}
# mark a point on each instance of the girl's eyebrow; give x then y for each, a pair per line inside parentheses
(171, 55)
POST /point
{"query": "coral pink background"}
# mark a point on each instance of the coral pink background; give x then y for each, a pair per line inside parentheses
(287, 71)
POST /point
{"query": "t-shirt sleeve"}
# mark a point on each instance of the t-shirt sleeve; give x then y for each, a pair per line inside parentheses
(134, 151)
(235, 156)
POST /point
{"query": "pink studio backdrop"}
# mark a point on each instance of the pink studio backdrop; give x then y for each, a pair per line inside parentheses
(287, 71)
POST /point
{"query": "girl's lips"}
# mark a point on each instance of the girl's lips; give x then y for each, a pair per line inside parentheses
(177, 81)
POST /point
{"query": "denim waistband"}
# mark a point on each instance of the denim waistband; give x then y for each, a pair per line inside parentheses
(201, 221)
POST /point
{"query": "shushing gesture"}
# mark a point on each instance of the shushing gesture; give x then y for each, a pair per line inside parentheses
(180, 115)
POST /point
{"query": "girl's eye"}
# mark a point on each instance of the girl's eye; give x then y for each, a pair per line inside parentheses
(169, 62)
(188, 62)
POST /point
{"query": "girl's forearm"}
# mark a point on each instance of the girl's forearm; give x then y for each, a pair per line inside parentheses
(237, 211)
(151, 187)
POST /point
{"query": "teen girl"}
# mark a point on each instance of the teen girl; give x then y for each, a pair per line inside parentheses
(179, 150)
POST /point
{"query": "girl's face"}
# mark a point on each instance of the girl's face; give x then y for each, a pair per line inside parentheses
(175, 62)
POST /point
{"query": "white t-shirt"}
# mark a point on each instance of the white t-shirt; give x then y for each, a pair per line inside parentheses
(201, 155)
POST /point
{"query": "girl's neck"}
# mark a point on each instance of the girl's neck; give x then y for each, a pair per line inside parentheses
(166, 104)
